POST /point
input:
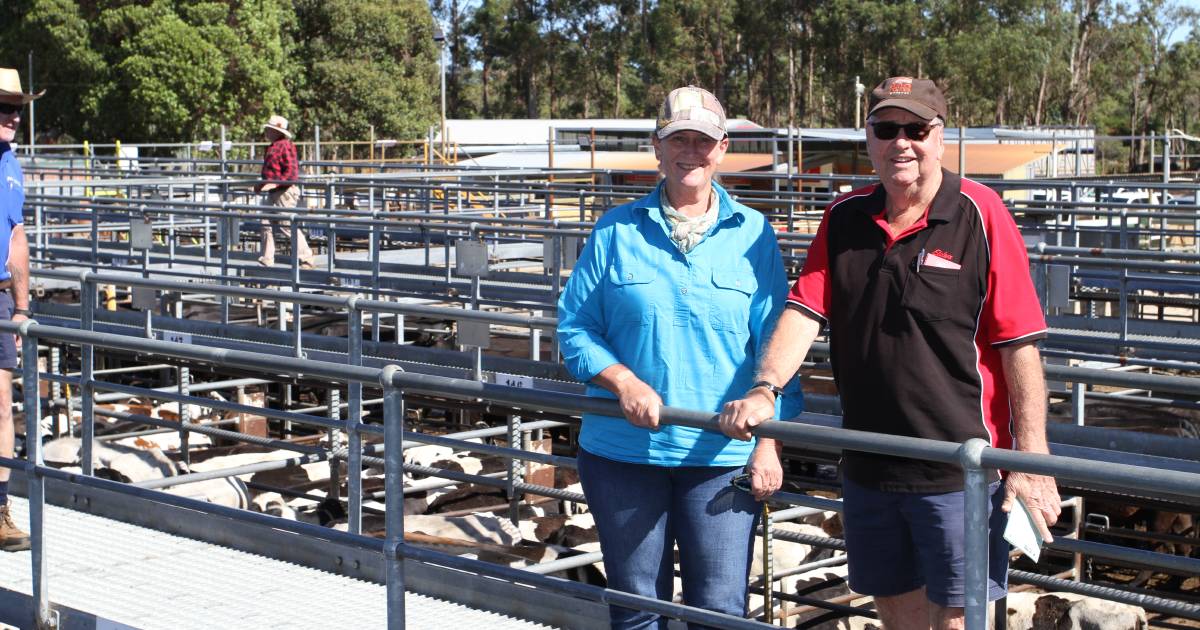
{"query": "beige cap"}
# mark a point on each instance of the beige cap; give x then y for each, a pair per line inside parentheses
(691, 108)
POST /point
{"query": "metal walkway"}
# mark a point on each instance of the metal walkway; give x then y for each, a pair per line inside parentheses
(130, 576)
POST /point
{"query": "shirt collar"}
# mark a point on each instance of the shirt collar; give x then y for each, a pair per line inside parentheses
(942, 209)
(652, 205)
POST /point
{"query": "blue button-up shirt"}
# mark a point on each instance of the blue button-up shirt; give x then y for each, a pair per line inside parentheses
(690, 325)
(12, 200)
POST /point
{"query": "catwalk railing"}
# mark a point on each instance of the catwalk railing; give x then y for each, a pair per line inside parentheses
(975, 457)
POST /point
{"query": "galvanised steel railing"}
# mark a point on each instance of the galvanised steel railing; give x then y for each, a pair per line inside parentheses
(975, 457)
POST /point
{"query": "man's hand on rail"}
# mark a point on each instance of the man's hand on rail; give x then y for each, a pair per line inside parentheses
(765, 469)
(1040, 494)
(739, 417)
(17, 318)
(639, 402)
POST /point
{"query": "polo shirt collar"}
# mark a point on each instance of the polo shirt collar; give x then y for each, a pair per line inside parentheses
(945, 203)
(943, 208)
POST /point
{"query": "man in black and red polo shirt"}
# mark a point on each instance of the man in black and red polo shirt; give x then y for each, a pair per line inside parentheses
(933, 322)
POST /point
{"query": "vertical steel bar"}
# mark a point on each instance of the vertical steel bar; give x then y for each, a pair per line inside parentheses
(228, 235)
(393, 432)
(170, 231)
(446, 235)
(1123, 293)
(185, 415)
(354, 419)
(768, 565)
(334, 413)
(297, 330)
(36, 485)
(514, 470)
(87, 388)
(535, 339)
(976, 524)
(95, 235)
(1078, 403)
(56, 389)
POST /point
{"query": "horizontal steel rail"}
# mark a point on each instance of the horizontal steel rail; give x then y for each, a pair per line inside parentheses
(975, 457)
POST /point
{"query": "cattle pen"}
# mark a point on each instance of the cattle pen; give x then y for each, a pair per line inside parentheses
(397, 420)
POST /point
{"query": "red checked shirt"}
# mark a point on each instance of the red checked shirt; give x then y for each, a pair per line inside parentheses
(916, 320)
(280, 163)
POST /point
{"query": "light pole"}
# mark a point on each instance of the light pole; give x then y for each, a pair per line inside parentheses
(859, 88)
(32, 138)
(439, 36)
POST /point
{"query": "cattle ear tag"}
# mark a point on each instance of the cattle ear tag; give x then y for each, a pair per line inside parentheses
(1021, 533)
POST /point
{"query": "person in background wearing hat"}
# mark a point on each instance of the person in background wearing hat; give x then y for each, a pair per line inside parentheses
(924, 283)
(668, 304)
(14, 282)
(280, 180)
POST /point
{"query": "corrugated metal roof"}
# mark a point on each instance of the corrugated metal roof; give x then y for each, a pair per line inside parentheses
(537, 130)
(617, 160)
(994, 159)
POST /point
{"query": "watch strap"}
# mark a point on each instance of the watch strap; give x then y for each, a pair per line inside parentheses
(769, 386)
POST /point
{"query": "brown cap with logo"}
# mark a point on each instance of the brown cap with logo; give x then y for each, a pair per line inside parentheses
(919, 96)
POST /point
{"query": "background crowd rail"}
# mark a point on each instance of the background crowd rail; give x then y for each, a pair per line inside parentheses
(470, 363)
(1080, 331)
(974, 456)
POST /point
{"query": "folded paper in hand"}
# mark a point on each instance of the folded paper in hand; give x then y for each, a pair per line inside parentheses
(1022, 533)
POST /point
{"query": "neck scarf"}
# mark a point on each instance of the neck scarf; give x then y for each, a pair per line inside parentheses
(687, 232)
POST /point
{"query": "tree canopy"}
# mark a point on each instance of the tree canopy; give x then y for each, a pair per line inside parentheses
(1109, 63)
(176, 70)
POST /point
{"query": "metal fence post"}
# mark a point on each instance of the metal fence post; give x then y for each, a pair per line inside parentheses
(976, 524)
(36, 485)
(56, 394)
(333, 411)
(393, 437)
(185, 416)
(353, 439)
(87, 387)
(514, 470)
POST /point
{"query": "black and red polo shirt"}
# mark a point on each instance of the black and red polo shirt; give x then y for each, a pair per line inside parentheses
(916, 320)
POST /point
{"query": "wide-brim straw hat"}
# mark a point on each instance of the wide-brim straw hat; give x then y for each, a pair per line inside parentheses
(278, 123)
(10, 88)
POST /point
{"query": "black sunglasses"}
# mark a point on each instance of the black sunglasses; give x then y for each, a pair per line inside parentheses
(9, 109)
(913, 131)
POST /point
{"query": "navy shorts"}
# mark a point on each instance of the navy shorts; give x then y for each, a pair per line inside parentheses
(8, 346)
(897, 542)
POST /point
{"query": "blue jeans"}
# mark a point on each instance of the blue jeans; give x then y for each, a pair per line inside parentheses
(642, 511)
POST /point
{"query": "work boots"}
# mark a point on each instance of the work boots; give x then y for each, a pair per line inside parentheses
(11, 537)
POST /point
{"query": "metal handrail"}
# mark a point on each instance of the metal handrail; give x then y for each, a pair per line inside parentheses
(975, 457)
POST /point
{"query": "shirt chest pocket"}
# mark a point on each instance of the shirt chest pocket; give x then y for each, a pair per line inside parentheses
(632, 292)
(730, 306)
(932, 294)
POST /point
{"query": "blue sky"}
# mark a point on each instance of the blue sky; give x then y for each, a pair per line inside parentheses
(1182, 32)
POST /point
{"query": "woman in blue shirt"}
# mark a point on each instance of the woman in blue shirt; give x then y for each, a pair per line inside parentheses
(669, 304)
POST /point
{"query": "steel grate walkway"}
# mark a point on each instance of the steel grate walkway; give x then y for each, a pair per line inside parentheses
(143, 578)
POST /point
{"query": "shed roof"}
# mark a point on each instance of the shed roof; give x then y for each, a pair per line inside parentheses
(616, 160)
